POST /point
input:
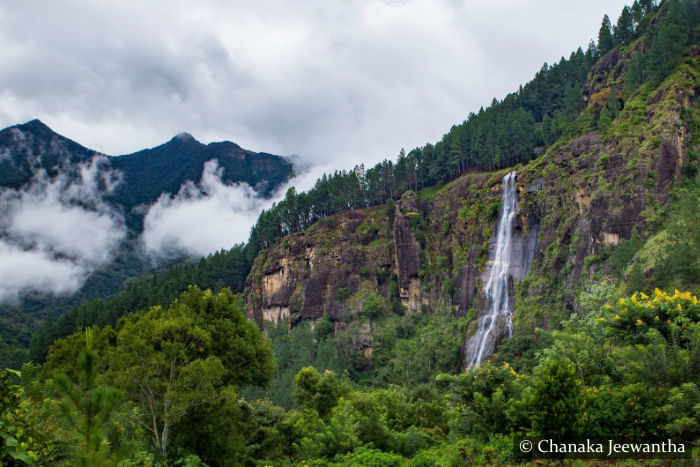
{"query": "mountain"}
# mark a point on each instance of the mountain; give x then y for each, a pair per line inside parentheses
(147, 174)
(150, 173)
(601, 145)
(535, 271)
(73, 218)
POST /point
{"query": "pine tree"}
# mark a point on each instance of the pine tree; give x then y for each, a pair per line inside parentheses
(605, 37)
(635, 73)
(87, 407)
(637, 13)
(624, 29)
(666, 47)
(647, 5)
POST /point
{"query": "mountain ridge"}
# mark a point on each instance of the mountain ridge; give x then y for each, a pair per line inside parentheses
(42, 172)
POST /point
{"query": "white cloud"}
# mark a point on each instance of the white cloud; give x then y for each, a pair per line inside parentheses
(346, 82)
(201, 218)
(338, 83)
(22, 270)
(53, 233)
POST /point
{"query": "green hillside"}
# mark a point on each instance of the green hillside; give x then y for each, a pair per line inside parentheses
(369, 289)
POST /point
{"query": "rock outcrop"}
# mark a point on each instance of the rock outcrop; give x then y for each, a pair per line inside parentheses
(587, 194)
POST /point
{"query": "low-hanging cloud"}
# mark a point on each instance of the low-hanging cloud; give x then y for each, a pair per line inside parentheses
(339, 83)
(346, 82)
(55, 232)
(201, 218)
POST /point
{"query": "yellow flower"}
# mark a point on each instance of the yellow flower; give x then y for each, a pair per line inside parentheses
(644, 296)
(639, 322)
(678, 307)
(616, 317)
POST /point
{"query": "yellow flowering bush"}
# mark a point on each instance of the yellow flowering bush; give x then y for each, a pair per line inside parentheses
(673, 315)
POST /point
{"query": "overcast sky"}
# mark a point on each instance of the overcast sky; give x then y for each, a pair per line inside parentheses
(336, 82)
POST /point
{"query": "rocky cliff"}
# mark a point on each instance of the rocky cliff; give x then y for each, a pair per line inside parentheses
(586, 194)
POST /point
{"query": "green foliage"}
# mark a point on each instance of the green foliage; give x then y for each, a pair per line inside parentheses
(412, 349)
(374, 305)
(174, 361)
(629, 411)
(12, 449)
(679, 264)
(683, 410)
(557, 399)
(87, 407)
(675, 317)
(605, 37)
(293, 350)
(216, 271)
(669, 40)
(635, 73)
(313, 390)
(343, 293)
(369, 457)
(624, 252)
(32, 427)
(624, 29)
(488, 400)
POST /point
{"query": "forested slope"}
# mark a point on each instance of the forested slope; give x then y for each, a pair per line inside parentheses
(368, 304)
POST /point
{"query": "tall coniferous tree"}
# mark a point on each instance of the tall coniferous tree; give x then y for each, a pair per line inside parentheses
(605, 37)
(647, 5)
(637, 13)
(624, 29)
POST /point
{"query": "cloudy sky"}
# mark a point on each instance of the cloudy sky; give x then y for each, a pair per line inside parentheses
(336, 82)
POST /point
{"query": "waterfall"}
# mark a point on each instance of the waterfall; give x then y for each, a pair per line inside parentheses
(498, 318)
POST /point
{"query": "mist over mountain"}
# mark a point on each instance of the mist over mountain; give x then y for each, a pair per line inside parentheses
(533, 272)
(68, 211)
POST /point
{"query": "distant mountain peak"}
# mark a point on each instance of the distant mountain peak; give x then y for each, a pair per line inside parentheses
(185, 137)
(35, 125)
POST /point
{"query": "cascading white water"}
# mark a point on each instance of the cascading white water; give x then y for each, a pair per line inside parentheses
(483, 342)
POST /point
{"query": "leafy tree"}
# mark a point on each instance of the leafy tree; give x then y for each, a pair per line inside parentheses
(637, 12)
(488, 400)
(674, 316)
(374, 304)
(174, 361)
(684, 410)
(12, 450)
(316, 391)
(679, 264)
(557, 400)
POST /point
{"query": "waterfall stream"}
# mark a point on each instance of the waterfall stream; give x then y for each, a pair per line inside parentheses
(498, 318)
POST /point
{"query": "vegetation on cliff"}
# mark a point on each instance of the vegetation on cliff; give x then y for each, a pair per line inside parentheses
(366, 310)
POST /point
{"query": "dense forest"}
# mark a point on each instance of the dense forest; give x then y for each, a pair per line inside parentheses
(170, 371)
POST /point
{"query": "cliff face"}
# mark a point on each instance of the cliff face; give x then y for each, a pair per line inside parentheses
(312, 273)
(586, 194)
